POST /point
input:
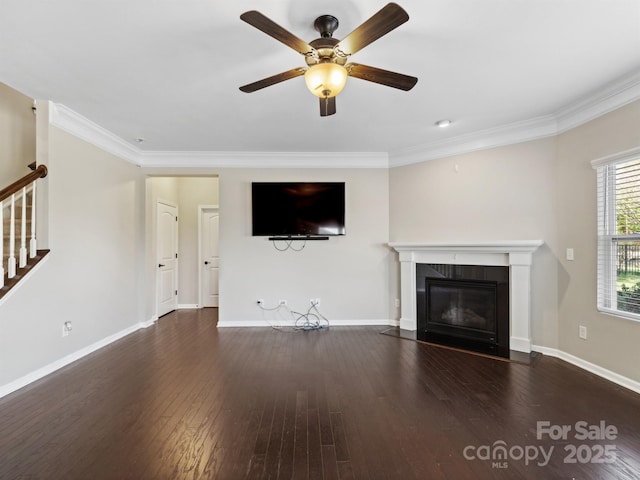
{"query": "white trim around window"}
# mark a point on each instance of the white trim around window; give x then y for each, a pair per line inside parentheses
(618, 198)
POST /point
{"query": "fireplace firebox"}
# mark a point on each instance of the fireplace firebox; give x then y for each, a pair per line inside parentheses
(464, 306)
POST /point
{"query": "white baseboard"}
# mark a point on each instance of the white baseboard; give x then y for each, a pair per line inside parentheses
(247, 323)
(520, 344)
(187, 306)
(590, 367)
(64, 361)
(361, 323)
(149, 322)
(289, 323)
(407, 324)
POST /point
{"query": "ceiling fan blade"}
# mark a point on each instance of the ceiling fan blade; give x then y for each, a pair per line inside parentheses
(383, 77)
(274, 30)
(388, 18)
(267, 82)
(327, 106)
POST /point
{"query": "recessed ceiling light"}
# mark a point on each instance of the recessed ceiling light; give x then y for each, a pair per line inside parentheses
(443, 123)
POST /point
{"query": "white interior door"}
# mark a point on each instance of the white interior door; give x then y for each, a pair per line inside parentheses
(167, 258)
(210, 257)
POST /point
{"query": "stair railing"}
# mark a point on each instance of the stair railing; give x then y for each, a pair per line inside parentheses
(12, 194)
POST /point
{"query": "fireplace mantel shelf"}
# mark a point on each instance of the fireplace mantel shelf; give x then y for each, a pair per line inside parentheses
(516, 254)
(503, 246)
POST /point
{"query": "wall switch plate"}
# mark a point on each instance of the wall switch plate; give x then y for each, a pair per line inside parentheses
(570, 254)
(582, 332)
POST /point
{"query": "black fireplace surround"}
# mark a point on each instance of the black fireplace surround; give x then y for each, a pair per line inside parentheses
(464, 306)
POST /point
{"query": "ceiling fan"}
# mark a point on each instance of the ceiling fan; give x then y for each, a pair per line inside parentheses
(326, 57)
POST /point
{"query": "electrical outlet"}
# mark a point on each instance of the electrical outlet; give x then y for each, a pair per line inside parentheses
(282, 302)
(66, 328)
(582, 332)
(397, 302)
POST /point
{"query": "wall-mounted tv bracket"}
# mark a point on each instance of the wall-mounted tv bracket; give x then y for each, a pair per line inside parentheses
(288, 241)
(305, 238)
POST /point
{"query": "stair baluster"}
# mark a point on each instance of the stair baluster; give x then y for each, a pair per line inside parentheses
(17, 257)
(11, 263)
(32, 242)
(2, 244)
(23, 231)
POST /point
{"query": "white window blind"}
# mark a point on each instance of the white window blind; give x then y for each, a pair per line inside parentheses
(619, 237)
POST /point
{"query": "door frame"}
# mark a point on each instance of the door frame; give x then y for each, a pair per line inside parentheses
(201, 210)
(160, 201)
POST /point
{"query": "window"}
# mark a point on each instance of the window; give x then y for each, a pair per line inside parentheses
(619, 235)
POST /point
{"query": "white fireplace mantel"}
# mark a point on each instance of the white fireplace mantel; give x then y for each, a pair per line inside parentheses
(516, 254)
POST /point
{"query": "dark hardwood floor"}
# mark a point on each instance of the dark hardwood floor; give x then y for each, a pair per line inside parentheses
(183, 399)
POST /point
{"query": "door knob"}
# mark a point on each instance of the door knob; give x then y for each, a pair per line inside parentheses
(206, 262)
(160, 265)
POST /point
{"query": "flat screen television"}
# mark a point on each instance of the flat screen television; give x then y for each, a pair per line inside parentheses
(298, 209)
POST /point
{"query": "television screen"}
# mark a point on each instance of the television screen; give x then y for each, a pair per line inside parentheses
(298, 208)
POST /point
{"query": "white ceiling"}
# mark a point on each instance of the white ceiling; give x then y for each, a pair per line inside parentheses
(168, 71)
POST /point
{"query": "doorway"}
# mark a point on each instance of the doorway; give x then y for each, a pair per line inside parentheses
(209, 255)
(167, 257)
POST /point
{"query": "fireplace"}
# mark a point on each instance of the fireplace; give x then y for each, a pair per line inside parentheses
(516, 255)
(464, 306)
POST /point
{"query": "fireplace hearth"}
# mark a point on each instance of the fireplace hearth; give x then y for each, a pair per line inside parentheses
(465, 306)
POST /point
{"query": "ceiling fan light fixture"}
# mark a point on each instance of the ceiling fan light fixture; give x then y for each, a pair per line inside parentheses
(326, 80)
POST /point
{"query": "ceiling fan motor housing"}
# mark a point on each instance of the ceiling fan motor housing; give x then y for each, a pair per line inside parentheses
(326, 25)
(326, 52)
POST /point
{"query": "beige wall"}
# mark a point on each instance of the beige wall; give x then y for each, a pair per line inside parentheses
(613, 342)
(94, 275)
(17, 135)
(348, 273)
(544, 189)
(506, 193)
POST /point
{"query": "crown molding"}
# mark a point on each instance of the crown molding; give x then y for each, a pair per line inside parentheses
(72, 122)
(509, 134)
(62, 117)
(186, 159)
(613, 96)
